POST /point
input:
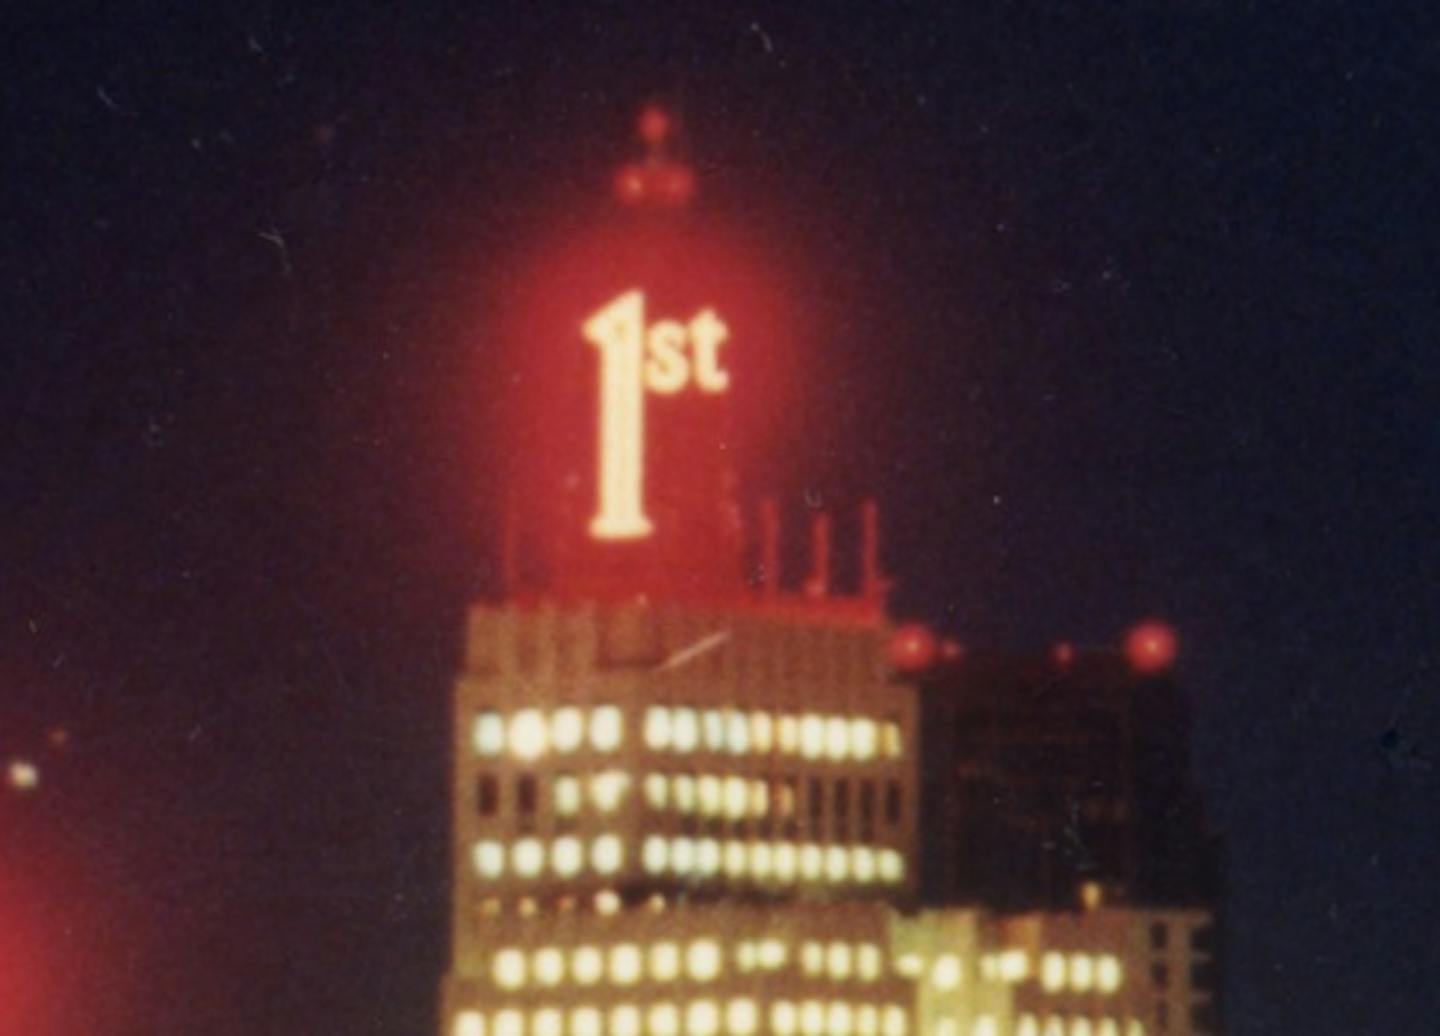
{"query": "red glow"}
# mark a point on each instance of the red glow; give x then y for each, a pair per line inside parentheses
(1151, 646)
(912, 648)
(631, 184)
(1064, 653)
(951, 650)
(654, 124)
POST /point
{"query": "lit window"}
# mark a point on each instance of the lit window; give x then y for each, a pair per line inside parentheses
(985, 1026)
(684, 730)
(890, 740)
(759, 797)
(1080, 1027)
(1027, 1026)
(528, 736)
(909, 965)
(1052, 972)
(736, 797)
(625, 1020)
(607, 728)
(782, 1018)
(528, 857)
(812, 958)
(587, 965)
(760, 860)
(657, 727)
(838, 961)
(837, 863)
(785, 862)
(812, 736)
(707, 857)
(548, 1021)
(567, 794)
(566, 857)
(1107, 974)
(839, 1019)
(837, 737)
(862, 738)
(946, 1027)
(549, 966)
(945, 972)
(862, 863)
(867, 1020)
(607, 854)
(489, 733)
(772, 954)
(762, 731)
(489, 859)
(737, 732)
(664, 961)
(1014, 966)
(741, 1017)
(625, 964)
(509, 1023)
(788, 734)
(812, 1018)
(607, 790)
(895, 1021)
(663, 1020)
(1082, 972)
(745, 956)
(892, 866)
(735, 859)
(711, 797)
(607, 902)
(567, 729)
(527, 907)
(1108, 1027)
(508, 969)
(713, 727)
(812, 862)
(469, 1023)
(655, 855)
(867, 962)
(1135, 1028)
(683, 787)
(585, 1021)
(702, 960)
(657, 789)
(682, 855)
(702, 1018)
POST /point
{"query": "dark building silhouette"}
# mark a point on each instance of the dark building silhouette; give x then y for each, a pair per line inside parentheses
(1044, 773)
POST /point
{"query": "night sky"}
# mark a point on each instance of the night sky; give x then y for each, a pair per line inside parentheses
(1121, 310)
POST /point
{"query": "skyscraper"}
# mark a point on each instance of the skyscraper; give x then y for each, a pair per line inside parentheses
(686, 797)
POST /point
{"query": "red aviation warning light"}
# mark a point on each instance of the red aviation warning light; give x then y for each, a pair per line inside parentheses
(1151, 647)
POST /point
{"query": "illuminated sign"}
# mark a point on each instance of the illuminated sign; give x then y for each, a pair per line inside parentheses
(662, 358)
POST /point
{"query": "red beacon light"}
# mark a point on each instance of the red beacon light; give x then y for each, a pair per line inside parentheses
(1063, 653)
(1151, 647)
(653, 125)
(912, 648)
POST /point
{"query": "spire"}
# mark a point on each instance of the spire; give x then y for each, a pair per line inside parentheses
(659, 179)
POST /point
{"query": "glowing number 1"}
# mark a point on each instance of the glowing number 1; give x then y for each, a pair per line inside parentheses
(632, 360)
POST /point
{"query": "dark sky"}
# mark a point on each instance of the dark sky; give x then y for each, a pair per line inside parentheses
(1129, 309)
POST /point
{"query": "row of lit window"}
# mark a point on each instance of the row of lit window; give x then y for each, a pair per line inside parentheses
(531, 733)
(784, 862)
(681, 728)
(1029, 1025)
(738, 798)
(564, 857)
(1079, 973)
(700, 960)
(741, 1016)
